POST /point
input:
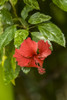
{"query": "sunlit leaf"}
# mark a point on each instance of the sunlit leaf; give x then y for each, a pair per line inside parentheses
(51, 32)
(25, 11)
(61, 4)
(36, 36)
(32, 3)
(26, 70)
(9, 72)
(7, 36)
(6, 17)
(20, 35)
(38, 18)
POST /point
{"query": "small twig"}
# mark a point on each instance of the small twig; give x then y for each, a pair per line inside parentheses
(19, 25)
(17, 15)
(32, 27)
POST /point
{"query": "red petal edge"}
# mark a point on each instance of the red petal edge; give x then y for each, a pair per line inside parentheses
(44, 49)
(28, 48)
(22, 61)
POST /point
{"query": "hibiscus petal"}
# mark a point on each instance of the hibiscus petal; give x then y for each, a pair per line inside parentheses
(32, 63)
(22, 61)
(39, 61)
(28, 48)
(41, 70)
(44, 49)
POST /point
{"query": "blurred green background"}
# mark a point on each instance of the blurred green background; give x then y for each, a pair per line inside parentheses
(53, 84)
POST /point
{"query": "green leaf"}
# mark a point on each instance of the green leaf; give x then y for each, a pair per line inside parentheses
(10, 71)
(20, 35)
(6, 17)
(2, 2)
(25, 11)
(38, 18)
(25, 70)
(24, 23)
(7, 36)
(32, 3)
(61, 4)
(36, 36)
(52, 32)
(1, 27)
(13, 63)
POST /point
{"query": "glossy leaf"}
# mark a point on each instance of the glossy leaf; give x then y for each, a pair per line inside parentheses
(61, 4)
(38, 18)
(6, 17)
(32, 3)
(20, 35)
(52, 32)
(7, 36)
(25, 11)
(25, 70)
(36, 36)
(10, 71)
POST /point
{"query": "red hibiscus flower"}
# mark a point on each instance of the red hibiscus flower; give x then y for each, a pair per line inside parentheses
(27, 55)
